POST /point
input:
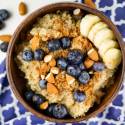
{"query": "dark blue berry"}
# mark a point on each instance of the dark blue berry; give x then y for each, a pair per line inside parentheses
(81, 66)
(4, 46)
(73, 70)
(84, 77)
(50, 109)
(4, 14)
(98, 66)
(79, 96)
(39, 54)
(42, 84)
(65, 42)
(60, 111)
(75, 57)
(1, 24)
(54, 45)
(27, 55)
(38, 99)
(62, 63)
(29, 95)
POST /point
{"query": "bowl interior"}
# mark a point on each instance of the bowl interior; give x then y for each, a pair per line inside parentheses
(18, 83)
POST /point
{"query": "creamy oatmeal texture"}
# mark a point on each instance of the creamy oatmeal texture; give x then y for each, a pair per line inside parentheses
(56, 26)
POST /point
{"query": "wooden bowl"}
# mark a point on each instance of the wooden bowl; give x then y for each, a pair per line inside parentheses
(17, 83)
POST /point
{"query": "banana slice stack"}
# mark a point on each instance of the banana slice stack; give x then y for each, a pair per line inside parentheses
(103, 38)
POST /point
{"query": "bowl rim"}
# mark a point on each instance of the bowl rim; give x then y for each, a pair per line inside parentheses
(15, 36)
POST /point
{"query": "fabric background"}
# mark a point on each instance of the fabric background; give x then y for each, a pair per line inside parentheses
(13, 113)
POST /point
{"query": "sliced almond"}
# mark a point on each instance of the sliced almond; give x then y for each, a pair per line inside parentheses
(22, 8)
(5, 38)
(44, 69)
(42, 77)
(47, 58)
(70, 80)
(50, 78)
(90, 3)
(88, 63)
(44, 105)
(93, 54)
(35, 41)
(55, 70)
(52, 63)
(51, 89)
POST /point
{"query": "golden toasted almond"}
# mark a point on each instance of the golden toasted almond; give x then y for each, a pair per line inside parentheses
(48, 58)
(90, 3)
(42, 76)
(88, 63)
(93, 54)
(5, 38)
(55, 70)
(50, 78)
(52, 63)
(51, 89)
(44, 105)
(22, 8)
(70, 80)
(35, 41)
(44, 68)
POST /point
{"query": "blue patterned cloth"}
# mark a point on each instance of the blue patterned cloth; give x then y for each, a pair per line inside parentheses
(13, 113)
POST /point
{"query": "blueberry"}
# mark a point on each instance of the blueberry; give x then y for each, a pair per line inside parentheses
(29, 95)
(98, 66)
(59, 111)
(75, 57)
(54, 45)
(27, 55)
(84, 77)
(38, 99)
(81, 66)
(73, 70)
(4, 14)
(4, 46)
(1, 24)
(62, 63)
(42, 84)
(65, 42)
(50, 109)
(39, 54)
(79, 96)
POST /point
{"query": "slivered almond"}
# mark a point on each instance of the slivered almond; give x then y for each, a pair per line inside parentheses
(42, 77)
(90, 3)
(22, 8)
(44, 69)
(35, 41)
(55, 70)
(47, 58)
(70, 80)
(5, 38)
(50, 78)
(51, 89)
(88, 63)
(52, 63)
(44, 105)
(93, 54)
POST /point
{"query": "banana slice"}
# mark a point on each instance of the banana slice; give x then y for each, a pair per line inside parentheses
(102, 35)
(106, 45)
(98, 26)
(112, 58)
(87, 22)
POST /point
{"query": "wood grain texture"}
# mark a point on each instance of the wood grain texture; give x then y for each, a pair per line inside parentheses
(17, 82)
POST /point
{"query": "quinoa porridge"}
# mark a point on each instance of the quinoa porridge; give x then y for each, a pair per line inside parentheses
(67, 62)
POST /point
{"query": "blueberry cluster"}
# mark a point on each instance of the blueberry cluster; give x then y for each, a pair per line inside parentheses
(4, 14)
(38, 54)
(54, 109)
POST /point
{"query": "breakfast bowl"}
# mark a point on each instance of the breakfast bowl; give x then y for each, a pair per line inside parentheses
(18, 81)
